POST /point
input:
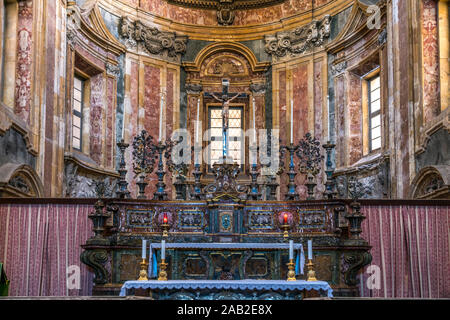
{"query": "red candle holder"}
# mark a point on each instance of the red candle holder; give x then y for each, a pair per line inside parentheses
(165, 225)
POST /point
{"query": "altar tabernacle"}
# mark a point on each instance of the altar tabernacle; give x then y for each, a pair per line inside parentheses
(208, 150)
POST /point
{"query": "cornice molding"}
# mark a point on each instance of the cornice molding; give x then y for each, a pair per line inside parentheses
(90, 25)
(221, 33)
(356, 27)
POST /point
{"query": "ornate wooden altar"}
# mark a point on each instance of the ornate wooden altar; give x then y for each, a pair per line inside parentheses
(226, 212)
(114, 253)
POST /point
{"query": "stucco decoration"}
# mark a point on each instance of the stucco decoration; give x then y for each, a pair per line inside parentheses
(19, 180)
(298, 41)
(339, 68)
(432, 182)
(79, 185)
(160, 43)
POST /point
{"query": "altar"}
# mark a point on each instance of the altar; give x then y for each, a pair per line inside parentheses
(228, 290)
(224, 235)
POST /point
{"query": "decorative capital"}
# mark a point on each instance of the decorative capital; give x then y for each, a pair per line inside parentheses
(258, 88)
(193, 88)
(338, 68)
(112, 70)
(382, 37)
(298, 41)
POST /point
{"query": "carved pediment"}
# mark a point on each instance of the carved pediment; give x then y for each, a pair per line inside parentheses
(298, 41)
(432, 182)
(151, 39)
(87, 23)
(362, 19)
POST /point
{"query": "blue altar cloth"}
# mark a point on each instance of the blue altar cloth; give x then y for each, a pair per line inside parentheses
(253, 285)
(299, 261)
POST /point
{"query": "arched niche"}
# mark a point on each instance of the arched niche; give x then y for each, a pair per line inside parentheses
(246, 75)
(432, 182)
(20, 180)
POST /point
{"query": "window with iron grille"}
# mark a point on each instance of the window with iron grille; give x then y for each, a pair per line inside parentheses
(374, 96)
(77, 114)
(235, 137)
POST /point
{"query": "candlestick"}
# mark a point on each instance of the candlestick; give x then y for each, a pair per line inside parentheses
(310, 249)
(143, 271)
(311, 276)
(144, 247)
(161, 118)
(162, 270)
(163, 249)
(291, 249)
(291, 270)
(292, 121)
(285, 218)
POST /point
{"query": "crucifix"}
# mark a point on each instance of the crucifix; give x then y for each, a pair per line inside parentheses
(225, 99)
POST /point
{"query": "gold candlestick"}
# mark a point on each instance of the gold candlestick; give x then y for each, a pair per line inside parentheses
(285, 227)
(162, 270)
(143, 272)
(291, 270)
(165, 227)
(311, 276)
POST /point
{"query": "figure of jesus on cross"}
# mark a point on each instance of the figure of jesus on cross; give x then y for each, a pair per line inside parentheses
(225, 100)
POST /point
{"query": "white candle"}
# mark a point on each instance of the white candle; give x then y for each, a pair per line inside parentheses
(144, 248)
(161, 118)
(254, 122)
(309, 249)
(292, 121)
(163, 250)
(329, 120)
(197, 131)
(291, 250)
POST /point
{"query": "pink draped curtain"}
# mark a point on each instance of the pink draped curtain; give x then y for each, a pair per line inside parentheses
(38, 242)
(37, 245)
(410, 245)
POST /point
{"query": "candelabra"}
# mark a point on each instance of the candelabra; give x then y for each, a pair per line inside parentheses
(197, 194)
(311, 276)
(180, 182)
(356, 190)
(310, 160)
(291, 270)
(143, 159)
(330, 192)
(98, 217)
(143, 272)
(292, 192)
(180, 171)
(161, 193)
(123, 184)
(162, 276)
(272, 185)
(254, 173)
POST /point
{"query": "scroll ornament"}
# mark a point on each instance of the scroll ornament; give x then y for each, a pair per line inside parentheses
(299, 40)
(154, 41)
